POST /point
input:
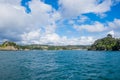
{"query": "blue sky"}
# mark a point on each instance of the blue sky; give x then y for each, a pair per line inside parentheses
(58, 22)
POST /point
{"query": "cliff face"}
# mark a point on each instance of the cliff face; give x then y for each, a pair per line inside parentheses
(107, 43)
(9, 46)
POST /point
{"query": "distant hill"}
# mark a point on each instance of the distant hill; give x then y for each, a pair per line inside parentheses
(12, 46)
(55, 47)
(7, 45)
(107, 43)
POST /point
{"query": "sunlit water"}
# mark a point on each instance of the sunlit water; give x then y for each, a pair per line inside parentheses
(59, 65)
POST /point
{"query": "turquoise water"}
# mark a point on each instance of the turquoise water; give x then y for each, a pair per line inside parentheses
(59, 65)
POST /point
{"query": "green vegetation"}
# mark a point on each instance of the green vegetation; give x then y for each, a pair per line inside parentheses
(107, 43)
(7, 45)
(53, 47)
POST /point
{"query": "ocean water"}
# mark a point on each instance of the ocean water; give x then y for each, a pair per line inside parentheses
(60, 65)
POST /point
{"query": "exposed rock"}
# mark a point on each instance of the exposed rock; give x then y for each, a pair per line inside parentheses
(7, 45)
(9, 48)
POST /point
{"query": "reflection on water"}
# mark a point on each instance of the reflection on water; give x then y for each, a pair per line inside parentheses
(59, 65)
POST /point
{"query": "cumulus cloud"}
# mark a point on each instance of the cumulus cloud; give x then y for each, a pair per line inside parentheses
(82, 19)
(99, 27)
(71, 8)
(39, 26)
(15, 21)
(12, 2)
(111, 32)
(115, 34)
(31, 37)
(55, 39)
(114, 24)
(34, 37)
(96, 27)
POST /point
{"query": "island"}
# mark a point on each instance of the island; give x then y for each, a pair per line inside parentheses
(107, 43)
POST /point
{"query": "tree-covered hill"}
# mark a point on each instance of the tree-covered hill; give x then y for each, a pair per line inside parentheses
(107, 43)
(8, 45)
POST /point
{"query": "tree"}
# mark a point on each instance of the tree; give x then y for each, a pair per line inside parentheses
(107, 43)
(109, 35)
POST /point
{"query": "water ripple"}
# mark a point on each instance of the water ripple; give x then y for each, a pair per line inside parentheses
(59, 65)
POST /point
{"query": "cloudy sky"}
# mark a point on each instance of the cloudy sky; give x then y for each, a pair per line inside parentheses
(58, 22)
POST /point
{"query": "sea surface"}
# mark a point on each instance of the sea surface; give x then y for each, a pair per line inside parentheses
(60, 65)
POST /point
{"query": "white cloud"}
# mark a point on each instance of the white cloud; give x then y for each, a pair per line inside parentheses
(71, 22)
(28, 27)
(71, 8)
(111, 32)
(39, 26)
(31, 37)
(82, 19)
(96, 27)
(114, 27)
(34, 37)
(52, 38)
(12, 19)
(114, 24)
(12, 2)
(55, 39)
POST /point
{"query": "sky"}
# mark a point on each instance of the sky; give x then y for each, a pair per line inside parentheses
(58, 22)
